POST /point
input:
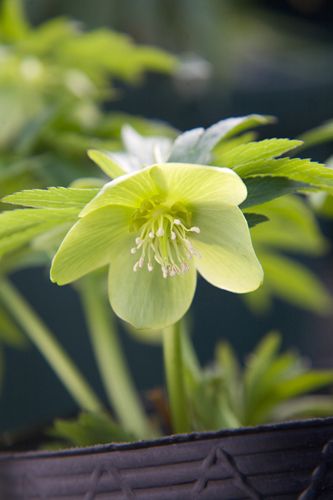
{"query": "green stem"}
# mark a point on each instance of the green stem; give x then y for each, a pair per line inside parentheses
(52, 351)
(173, 363)
(112, 365)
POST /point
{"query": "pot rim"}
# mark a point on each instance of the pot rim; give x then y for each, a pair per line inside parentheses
(167, 440)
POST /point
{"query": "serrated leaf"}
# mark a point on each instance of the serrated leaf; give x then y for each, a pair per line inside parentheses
(196, 146)
(18, 227)
(296, 169)
(263, 189)
(294, 283)
(227, 145)
(53, 198)
(258, 151)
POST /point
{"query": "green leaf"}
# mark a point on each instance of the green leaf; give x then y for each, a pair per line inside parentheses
(255, 219)
(231, 373)
(22, 258)
(304, 407)
(13, 23)
(296, 169)
(291, 227)
(10, 334)
(260, 301)
(195, 146)
(303, 383)
(295, 283)
(89, 429)
(53, 198)
(318, 135)
(227, 145)
(258, 151)
(106, 162)
(263, 189)
(18, 227)
(257, 366)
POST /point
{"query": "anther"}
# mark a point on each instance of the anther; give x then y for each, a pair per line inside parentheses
(133, 250)
(177, 222)
(195, 229)
(151, 235)
(150, 267)
(160, 232)
(135, 267)
(173, 235)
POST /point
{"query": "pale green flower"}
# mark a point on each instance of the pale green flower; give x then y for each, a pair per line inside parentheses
(156, 228)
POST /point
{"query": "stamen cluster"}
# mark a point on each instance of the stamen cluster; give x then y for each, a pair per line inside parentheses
(163, 239)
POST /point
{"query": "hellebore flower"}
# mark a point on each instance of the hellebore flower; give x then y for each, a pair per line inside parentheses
(156, 228)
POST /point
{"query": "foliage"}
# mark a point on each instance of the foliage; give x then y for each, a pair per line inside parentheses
(53, 79)
(86, 430)
(271, 386)
(283, 223)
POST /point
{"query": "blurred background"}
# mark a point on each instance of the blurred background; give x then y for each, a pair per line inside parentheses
(237, 57)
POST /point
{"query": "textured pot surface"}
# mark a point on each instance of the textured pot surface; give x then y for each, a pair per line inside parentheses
(291, 460)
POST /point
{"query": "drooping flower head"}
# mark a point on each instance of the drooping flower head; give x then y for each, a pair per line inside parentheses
(156, 228)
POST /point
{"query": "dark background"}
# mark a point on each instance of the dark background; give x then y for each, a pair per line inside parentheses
(247, 56)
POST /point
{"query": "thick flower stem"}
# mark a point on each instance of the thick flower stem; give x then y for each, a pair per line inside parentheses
(52, 351)
(174, 371)
(112, 365)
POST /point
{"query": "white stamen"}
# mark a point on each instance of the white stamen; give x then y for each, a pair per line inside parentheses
(135, 267)
(163, 239)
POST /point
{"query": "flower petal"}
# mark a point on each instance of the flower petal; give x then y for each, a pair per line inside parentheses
(146, 299)
(127, 190)
(227, 258)
(90, 243)
(178, 182)
(199, 183)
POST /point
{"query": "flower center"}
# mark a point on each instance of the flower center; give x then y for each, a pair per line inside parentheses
(163, 237)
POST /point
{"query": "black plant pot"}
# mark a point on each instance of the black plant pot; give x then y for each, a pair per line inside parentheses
(292, 460)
